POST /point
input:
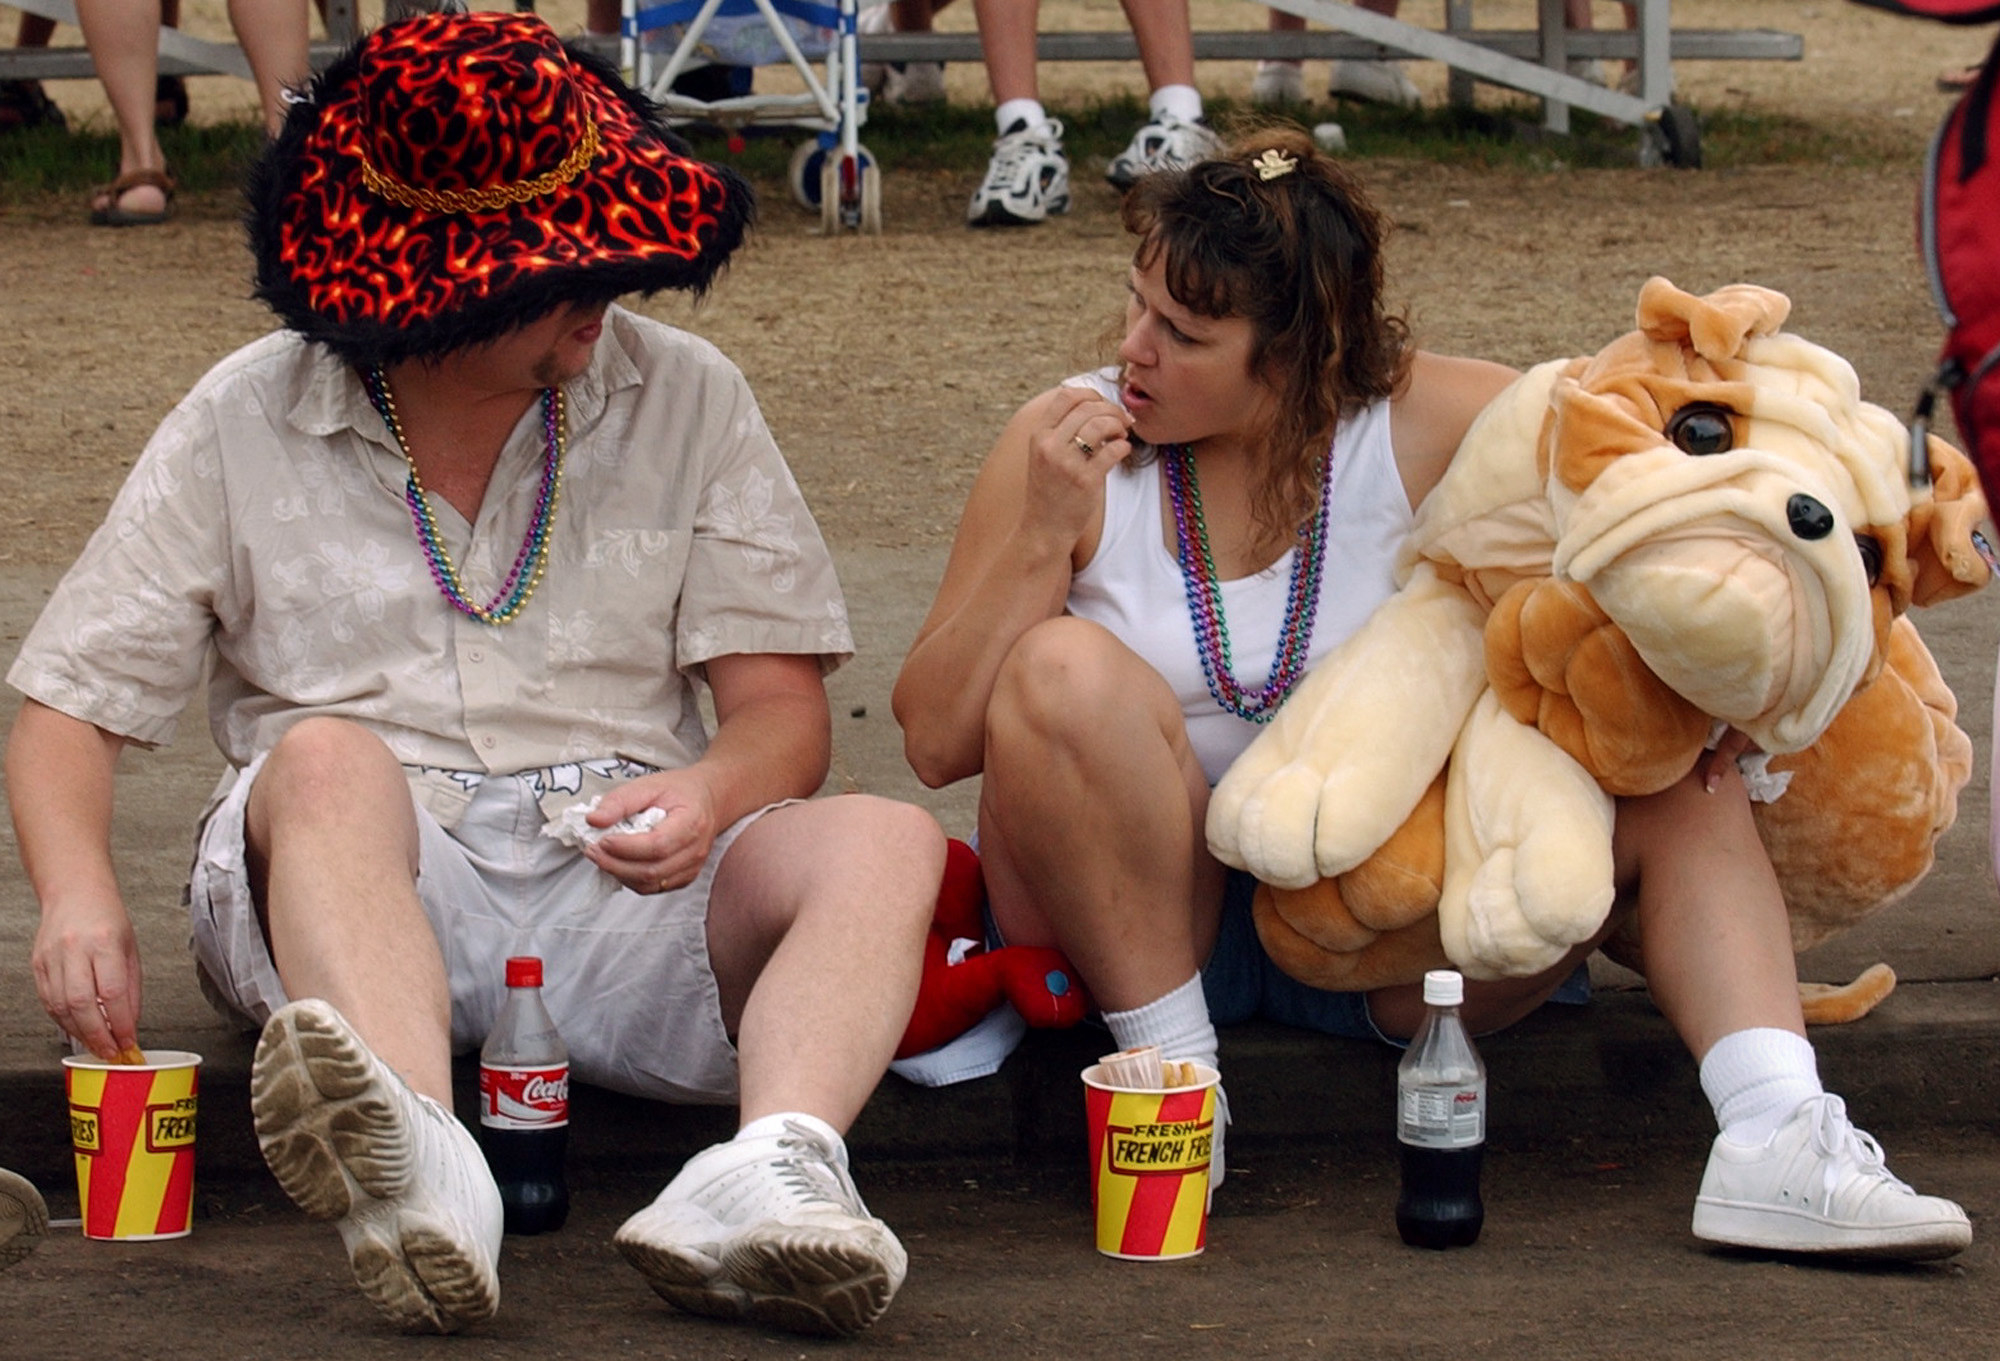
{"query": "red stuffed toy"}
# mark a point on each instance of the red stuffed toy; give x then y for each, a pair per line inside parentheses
(952, 998)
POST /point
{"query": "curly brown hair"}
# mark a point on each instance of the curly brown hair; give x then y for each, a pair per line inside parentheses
(1299, 254)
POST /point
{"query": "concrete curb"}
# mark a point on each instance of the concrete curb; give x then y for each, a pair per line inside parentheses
(1612, 1072)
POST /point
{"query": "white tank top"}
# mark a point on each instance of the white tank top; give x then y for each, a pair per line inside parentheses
(1133, 586)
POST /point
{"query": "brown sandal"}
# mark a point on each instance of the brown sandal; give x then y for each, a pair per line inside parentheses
(104, 209)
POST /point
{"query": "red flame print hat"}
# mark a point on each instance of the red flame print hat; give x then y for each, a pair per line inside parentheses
(454, 176)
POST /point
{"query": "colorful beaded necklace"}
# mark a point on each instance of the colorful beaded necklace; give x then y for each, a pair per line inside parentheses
(1204, 595)
(512, 597)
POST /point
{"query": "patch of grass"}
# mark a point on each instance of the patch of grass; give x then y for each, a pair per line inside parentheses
(49, 162)
(45, 162)
(1503, 133)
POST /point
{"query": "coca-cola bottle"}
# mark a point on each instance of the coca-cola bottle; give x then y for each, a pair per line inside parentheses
(1441, 1123)
(524, 1105)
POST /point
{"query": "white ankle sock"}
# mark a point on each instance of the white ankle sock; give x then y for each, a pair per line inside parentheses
(1182, 101)
(1028, 111)
(1178, 1023)
(1755, 1079)
(771, 1126)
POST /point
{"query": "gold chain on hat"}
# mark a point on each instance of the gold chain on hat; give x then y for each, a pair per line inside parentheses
(482, 200)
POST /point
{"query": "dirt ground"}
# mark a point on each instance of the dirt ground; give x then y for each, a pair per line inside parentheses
(885, 365)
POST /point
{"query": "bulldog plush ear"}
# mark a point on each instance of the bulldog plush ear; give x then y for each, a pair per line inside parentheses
(1715, 325)
(1942, 547)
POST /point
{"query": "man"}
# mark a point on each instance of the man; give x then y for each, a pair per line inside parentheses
(451, 555)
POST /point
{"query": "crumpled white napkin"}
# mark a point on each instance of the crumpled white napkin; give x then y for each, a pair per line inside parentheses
(572, 826)
(1760, 782)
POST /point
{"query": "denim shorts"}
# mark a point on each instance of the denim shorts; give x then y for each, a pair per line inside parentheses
(1241, 983)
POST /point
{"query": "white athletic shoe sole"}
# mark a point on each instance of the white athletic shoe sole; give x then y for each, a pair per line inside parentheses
(1778, 1229)
(332, 1123)
(797, 1277)
(24, 1218)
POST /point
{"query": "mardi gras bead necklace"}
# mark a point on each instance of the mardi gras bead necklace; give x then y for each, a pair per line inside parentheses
(1204, 595)
(512, 597)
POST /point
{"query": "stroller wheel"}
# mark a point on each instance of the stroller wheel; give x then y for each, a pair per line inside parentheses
(804, 174)
(850, 194)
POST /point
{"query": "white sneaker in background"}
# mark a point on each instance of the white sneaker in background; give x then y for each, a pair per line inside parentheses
(771, 1229)
(1026, 181)
(348, 1141)
(24, 1218)
(914, 82)
(1590, 69)
(1166, 143)
(1373, 82)
(1278, 83)
(1820, 1185)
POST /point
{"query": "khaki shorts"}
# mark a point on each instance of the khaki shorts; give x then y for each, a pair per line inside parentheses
(625, 975)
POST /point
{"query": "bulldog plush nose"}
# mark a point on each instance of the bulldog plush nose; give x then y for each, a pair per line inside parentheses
(1809, 519)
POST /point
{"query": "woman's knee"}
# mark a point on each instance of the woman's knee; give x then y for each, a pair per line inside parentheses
(1066, 681)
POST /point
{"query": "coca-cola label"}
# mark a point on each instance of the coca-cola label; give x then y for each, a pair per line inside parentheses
(524, 1098)
(1442, 1117)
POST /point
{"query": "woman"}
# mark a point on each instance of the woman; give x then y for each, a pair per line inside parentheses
(1142, 539)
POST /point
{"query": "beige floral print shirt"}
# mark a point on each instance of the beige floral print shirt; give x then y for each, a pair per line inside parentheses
(263, 544)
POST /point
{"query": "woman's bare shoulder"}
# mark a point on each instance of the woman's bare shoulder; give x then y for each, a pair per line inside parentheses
(1437, 403)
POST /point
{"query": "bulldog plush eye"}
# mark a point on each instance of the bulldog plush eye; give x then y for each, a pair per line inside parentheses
(1871, 557)
(1702, 428)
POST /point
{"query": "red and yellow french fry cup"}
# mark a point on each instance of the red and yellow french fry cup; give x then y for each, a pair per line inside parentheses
(1149, 1159)
(132, 1127)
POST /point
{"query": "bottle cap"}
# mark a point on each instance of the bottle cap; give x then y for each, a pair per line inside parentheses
(524, 971)
(1443, 988)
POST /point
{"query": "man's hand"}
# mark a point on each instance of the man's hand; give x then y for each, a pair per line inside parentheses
(670, 854)
(87, 973)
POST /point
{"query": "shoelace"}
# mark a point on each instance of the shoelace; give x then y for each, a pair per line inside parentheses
(1846, 1148)
(1016, 147)
(812, 1173)
(1179, 143)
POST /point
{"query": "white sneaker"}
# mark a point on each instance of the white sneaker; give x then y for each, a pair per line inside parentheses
(1166, 143)
(1278, 82)
(1373, 82)
(914, 82)
(770, 1229)
(348, 1141)
(1590, 69)
(24, 1217)
(1819, 1185)
(1026, 181)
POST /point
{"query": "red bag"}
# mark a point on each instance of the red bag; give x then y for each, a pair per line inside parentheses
(1958, 233)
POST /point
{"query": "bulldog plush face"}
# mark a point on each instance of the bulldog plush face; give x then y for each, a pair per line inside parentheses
(1732, 504)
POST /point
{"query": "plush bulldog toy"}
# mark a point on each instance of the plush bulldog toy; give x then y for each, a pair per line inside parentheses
(1700, 527)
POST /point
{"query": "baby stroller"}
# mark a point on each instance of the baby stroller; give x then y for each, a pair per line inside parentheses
(832, 173)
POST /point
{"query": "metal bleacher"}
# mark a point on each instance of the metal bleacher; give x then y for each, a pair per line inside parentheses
(1533, 61)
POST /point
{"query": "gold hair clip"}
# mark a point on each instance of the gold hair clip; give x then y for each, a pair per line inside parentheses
(1274, 164)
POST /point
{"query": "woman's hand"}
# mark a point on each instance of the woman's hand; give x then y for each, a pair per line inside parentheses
(1721, 758)
(1079, 439)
